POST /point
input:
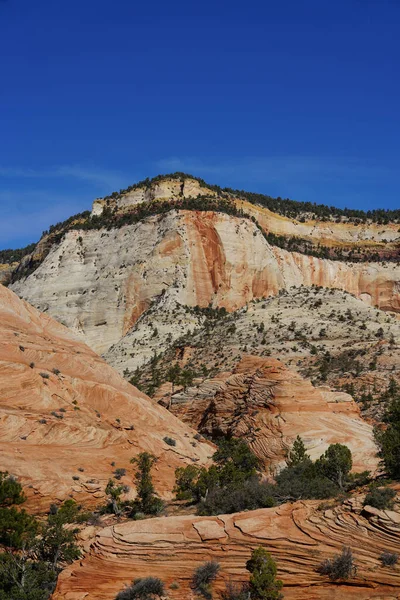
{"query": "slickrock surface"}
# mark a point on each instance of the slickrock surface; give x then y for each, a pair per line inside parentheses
(299, 536)
(269, 405)
(100, 282)
(65, 415)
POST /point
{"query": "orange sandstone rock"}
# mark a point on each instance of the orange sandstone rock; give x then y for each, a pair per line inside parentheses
(66, 416)
(299, 536)
(269, 405)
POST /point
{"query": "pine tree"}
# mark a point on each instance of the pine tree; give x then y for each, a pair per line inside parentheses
(263, 583)
(148, 502)
(297, 454)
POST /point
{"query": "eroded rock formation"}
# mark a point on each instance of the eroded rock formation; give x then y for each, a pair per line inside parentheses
(100, 282)
(269, 405)
(299, 536)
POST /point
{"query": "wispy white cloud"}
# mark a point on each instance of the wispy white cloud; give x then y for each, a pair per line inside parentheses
(339, 181)
(278, 168)
(94, 175)
(26, 215)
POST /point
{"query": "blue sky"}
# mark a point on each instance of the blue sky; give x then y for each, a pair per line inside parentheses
(297, 98)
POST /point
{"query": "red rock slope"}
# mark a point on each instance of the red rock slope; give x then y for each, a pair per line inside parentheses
(65, 415)
(298, 535)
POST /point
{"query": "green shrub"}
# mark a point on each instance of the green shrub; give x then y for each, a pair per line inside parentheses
(146, 588)
(22, 579)
(170, 441)
(297, 454)
(119, 473)
(233, 483)
(389, 439)
(203, 578)
(10, 490)
(335, 464)
(389, 559)
(304, 480)
(249, 495)
(381, 498)
(174, 586)
(235, 591)
(340, 566)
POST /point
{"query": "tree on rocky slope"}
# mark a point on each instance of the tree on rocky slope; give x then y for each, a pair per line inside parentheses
(34, 552)
(297, 454)
(147, 500)
(114, 493)
(263, 583)
(389, 439)
(335, 464)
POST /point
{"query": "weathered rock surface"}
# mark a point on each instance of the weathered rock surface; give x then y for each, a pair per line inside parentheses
(161, 190)
(328, 336)
(101, 285)
(299, 536)
(66, 416)
(6, 272)
(269, 405)
(365, 235)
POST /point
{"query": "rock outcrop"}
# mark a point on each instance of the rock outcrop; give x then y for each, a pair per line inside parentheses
(6, 272)
(268, 405)
(326, 335)
(299, 536)
(364, 235)
(100, 282)
(68, 420)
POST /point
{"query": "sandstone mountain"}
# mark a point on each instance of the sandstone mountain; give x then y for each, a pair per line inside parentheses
(197, 246)
(234, 314)
(67, 420)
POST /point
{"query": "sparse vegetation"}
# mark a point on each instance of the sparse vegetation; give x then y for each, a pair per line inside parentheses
(147, 588)
(170, 441)
(340, 566)
(380, 497)
(263, 584)
(389, 559)
(203, 578)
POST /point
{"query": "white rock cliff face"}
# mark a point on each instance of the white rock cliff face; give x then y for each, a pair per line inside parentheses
(164, 189)
(101, 285)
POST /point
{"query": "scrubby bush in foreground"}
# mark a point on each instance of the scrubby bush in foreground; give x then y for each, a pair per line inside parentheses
(147, 588)
(203, 578)
(234, 483)
(235, 591)
(389, 559)
(34, 551)
(340, 566)
(381, 498)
